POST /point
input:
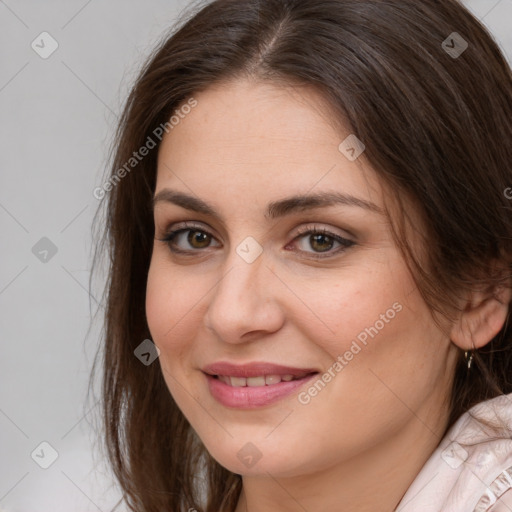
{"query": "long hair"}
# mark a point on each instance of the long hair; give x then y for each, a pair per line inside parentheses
(433, 108)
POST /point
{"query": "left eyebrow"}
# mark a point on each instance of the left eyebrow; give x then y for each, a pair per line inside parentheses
(275, 209)
(300, 203)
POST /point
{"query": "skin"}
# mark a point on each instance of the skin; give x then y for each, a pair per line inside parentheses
(377, 421)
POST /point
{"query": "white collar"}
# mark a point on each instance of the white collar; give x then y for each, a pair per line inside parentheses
(470, 468)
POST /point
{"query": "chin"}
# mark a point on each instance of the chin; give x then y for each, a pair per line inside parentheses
(252, 458)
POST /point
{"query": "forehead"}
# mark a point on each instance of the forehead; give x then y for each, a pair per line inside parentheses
(261, 139)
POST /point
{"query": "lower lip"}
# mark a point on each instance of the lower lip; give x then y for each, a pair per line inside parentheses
(249, 397)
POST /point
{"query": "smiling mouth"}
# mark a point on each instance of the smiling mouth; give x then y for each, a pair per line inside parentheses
(259, 381)
(255, 384)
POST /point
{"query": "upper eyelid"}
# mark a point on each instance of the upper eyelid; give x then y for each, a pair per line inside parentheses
(313, 226)
(188, 225)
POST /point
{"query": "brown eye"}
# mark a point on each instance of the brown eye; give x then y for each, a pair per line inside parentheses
(314, 242)
(321, 242)
(189, 240)
(198, 239)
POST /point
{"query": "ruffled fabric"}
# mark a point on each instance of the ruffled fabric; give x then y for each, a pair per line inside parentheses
(472, 467)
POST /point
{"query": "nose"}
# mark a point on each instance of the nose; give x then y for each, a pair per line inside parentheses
(245, 304)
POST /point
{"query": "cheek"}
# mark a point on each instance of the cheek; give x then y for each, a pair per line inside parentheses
(158, 299)
(363, 305)
(171, 303)
(176, 303)
(384, 359)
(376, 334)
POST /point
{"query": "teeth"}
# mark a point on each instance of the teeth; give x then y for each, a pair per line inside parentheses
(224, 379)
(256, 381)
(272, 379)
(259, 381)
(238, 381)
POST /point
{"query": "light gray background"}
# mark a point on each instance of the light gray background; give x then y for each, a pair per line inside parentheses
(57, 118)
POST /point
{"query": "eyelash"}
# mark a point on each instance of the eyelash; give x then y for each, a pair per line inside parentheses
(307, 230)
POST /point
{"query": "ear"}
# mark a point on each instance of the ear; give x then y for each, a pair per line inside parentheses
(482, 318)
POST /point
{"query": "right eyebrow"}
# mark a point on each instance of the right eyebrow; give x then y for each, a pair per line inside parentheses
(185, 201)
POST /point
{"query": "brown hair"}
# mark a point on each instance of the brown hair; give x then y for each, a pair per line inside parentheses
(437, 128)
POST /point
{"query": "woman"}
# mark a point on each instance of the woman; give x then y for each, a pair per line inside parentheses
(310, 239)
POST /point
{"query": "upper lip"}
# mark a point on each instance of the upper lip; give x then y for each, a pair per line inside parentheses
(254, 369)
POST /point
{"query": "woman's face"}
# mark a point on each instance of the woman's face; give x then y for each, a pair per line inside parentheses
(283, 267)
